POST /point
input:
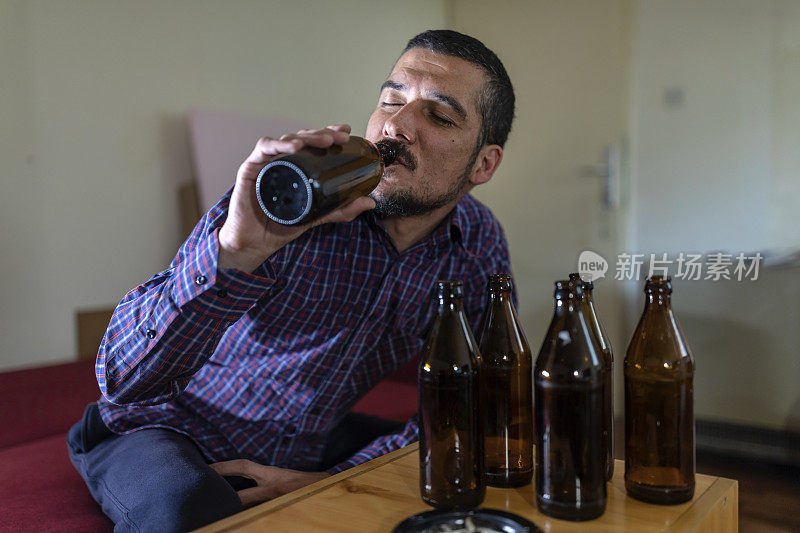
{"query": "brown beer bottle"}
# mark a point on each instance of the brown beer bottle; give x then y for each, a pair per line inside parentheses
(450, 440)
(600, 334)
(506, 371)
(301, 187)
(568, 389)
(659, 407)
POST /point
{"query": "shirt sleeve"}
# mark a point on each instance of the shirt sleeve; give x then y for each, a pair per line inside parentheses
(164, 330)
(381, 446)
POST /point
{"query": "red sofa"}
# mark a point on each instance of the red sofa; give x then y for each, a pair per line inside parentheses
(41, 491)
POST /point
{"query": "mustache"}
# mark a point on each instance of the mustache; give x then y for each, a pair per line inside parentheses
(403, 154)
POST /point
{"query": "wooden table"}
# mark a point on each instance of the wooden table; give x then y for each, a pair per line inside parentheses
(378, 495)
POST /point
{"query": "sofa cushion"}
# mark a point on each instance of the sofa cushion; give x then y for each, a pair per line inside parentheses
(42, 491)
(44, 401)
(392, 399)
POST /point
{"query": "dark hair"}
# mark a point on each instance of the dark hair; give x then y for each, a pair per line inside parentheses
(496, 100)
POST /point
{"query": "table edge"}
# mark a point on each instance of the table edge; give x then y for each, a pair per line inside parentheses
(689, 520)
(255, 513)
(696, 514)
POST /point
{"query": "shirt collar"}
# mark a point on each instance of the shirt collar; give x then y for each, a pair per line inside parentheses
(450, 231)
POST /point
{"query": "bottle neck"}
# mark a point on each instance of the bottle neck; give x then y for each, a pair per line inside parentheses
(386, 151)
(587, 296)
(450, 304)
(499, 295)
(657, 301)
(567, 304)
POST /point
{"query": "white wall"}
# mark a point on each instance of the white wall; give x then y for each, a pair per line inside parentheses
(784, 219)
(569, 64)
(721, 171)
(703, 161)
(93, 138)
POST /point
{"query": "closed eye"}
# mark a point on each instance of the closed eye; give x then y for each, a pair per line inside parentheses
(441, 120)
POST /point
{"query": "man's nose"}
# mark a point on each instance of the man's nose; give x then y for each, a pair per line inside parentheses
(400, 125)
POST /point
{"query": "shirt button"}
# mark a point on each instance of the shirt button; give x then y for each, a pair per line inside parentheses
(345, 365)
(431, 255)
(151, 333)
(292, 429)
(200, 280)
(315, 410)
(363, 234)
(222, 293)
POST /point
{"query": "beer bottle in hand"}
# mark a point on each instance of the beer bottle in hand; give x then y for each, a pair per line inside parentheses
(597, 329)
(450, 441)
(506, 390)
(301, 187)
(659, 407)
(569, 388)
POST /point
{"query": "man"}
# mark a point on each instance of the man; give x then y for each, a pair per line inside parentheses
(244, 358)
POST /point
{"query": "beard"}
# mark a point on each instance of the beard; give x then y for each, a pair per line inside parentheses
(406, 204)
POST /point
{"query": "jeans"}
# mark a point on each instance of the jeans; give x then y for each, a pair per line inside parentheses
(157, 479)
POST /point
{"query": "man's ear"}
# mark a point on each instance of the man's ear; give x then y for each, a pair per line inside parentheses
(486, 163)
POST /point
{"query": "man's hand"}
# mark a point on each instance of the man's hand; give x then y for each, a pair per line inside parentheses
(248, 237)
(271, 480)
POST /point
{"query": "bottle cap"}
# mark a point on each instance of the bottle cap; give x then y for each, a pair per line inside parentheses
(450, 288)
(568, 289)
(578, 280)
(659, 284)
(499, 282)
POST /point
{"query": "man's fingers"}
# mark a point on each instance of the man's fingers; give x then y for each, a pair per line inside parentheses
(266, 148)
(322, 138)
(343, 128)
(255, 495)
(340, 127)
(236, 467)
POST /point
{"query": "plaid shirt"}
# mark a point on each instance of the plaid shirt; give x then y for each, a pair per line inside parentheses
(262, 366)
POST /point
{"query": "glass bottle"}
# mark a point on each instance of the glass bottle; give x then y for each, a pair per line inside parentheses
(301, 187)
(659, 404)
(568, 408)
(590, 313)
(450, 440)
(506, 390)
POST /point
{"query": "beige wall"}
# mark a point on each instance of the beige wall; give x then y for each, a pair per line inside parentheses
(717, 171)
(721, 171)
(94, 141)
(569, 63)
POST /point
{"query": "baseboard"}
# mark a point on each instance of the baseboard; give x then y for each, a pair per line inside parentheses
(768, 445)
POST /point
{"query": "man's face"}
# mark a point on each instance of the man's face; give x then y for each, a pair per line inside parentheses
(429, 108)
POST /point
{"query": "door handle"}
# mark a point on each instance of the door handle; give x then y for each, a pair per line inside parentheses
(608, 170)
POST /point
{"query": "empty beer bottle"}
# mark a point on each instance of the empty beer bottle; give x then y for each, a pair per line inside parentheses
(590, 313)
(659, 408)
(506, 371)
(301, 187)
(568, 409)
(450, 440)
